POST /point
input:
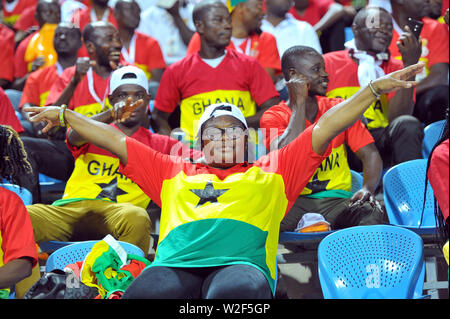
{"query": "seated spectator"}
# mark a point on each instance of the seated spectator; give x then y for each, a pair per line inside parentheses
(220, 218)
(98, 200)
(432, 91)
(67, 42)
(328, 192)
(6, 56)
(212, 75)
(326, 16)
(170, 23)
(48, 16)
(12, 9)
(287, 30)
(7, 114)
(82, 88)
(138, 48)
(397, 134)
(437, 10)
(247, 37)
(18, 254)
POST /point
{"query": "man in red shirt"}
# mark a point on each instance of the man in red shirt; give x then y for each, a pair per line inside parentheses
(247, 37)
(212, 75)
(326, 18)
(432, 90)
(67, 42)
(7, 113)
(328, 191)
(6, 56)
(398, 135)
(138, 49)
(12, 9)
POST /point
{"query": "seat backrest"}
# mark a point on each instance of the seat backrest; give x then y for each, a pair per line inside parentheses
(403, 190)
(432, 133)
(371, 262)
(73, 253)
(23, 193)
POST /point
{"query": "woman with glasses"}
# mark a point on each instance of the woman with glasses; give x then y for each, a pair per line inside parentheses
(220, 218)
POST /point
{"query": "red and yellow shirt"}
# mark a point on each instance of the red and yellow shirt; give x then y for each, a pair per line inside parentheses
(213, 217)
(263, 47)
(332, 178)
(16, 232)
(82, 100)
(38, 84)
(435, 47)
(11, 16)
(195, 85)
(6, 53)
(343, 76)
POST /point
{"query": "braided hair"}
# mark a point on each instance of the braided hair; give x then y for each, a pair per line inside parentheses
(13, 157)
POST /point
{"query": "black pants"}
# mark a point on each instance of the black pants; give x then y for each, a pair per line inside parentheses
(49, 157)
(226, 282)
(398, 142)
(432, 104)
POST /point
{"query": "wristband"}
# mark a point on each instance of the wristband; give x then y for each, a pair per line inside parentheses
(62, 122)
(377, 95)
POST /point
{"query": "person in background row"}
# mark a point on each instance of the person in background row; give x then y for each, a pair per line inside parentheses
(7, 113)
(397, 134)
(213, 74)
(18, 254)
(329, 190)
(6, 56)
(208, 208)
(12, 9)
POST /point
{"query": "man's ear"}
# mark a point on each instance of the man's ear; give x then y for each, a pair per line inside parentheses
(199, 26)
(90, 47)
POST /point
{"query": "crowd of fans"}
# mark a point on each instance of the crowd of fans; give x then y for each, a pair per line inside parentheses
(104, 95)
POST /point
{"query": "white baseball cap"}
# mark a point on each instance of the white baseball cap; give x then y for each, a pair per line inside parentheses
(220, 109)
(128, 75)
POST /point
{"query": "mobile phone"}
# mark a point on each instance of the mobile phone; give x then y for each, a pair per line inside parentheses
(415, 27)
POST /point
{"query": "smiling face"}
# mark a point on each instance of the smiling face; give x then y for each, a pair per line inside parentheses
(224, 141)
(312, 67)
(105, 46)
(373, 31)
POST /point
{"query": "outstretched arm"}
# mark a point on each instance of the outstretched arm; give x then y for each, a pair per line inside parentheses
(341, 116)
(90, 130)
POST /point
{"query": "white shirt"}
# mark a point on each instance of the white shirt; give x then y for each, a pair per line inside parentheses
(290, 32)
(158, 23)
(68, 7)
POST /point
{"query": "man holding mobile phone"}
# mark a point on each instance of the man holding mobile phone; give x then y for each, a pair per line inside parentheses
(432, 96)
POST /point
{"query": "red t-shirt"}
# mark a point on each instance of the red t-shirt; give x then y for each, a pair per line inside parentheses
(438, 176)
(435, 48)
(314, 12)
(12, 16)
(193, 84)
(148, 54)
(6, 53)
(262, 47)
(27, 19)
(82, 100)
(38, 84)
(7, 113)
(334, 172)
(343, 83)
(21, 67)
(16, 231)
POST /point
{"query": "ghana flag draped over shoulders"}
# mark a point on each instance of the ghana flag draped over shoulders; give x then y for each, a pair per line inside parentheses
(213, 217)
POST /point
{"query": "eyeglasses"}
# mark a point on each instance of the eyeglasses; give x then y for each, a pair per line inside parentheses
(215, 133)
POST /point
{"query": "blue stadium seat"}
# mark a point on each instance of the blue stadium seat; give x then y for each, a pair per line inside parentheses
(432, 134)
(77, 252)
(23, 193)
(371, 262)
(403, 191)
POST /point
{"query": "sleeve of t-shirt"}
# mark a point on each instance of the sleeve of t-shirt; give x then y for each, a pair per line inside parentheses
(438, 45)
(168, 145)
(296, 162)
(323, 6)
(268, 52)
(30, 92)
(155, 59)
(194, 45)
(261, 85)
(168, 95)
(7, 113)
(59, 86)
(149, 168)
(16, 230)
(20, 66)
(357, 136)
(438, 176)
(272, 125)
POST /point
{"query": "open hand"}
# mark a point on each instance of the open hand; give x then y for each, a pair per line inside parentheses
(48, 114)
(400, 79)
(122, 110)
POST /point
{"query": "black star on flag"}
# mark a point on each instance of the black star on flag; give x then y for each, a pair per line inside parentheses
(317, 185)
(208, 194)
(110, 190)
